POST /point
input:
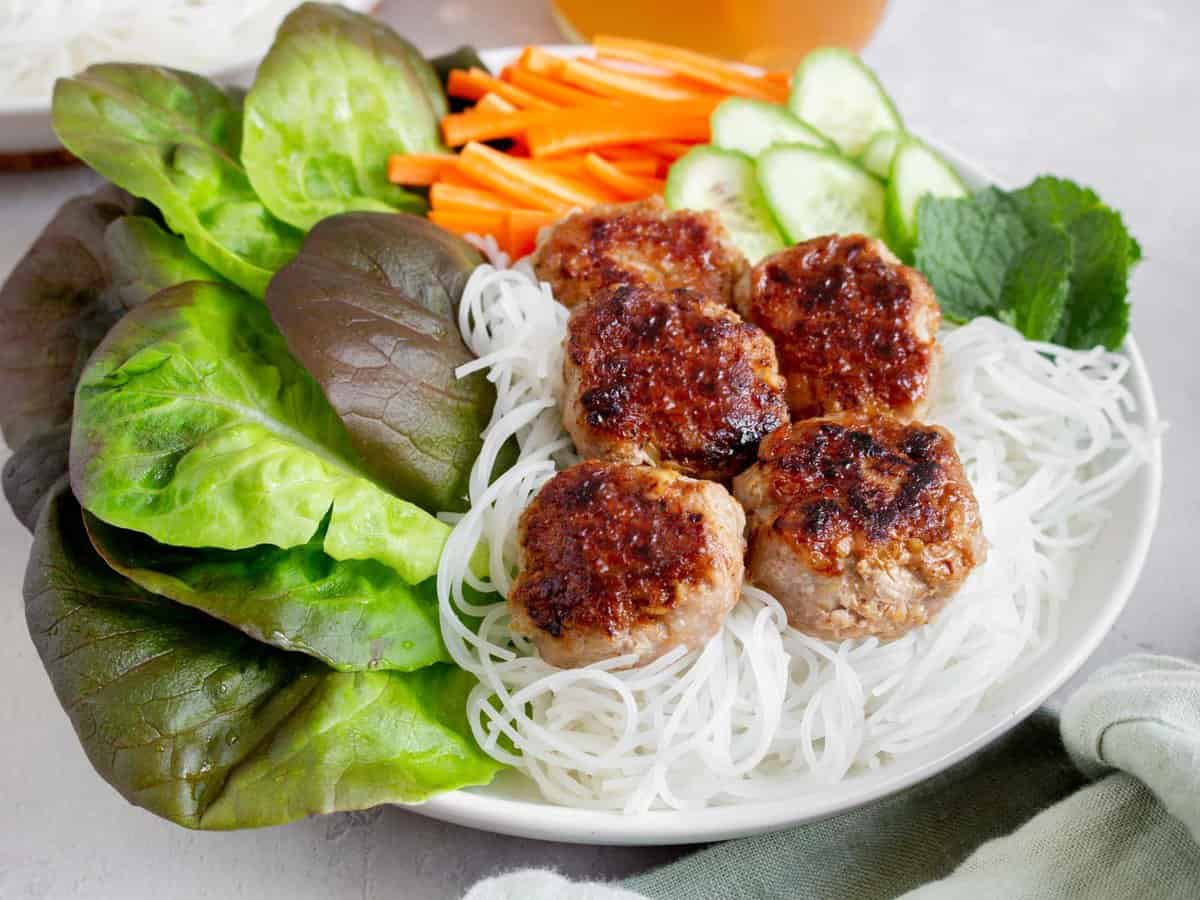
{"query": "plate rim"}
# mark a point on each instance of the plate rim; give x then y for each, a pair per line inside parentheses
(545, 821)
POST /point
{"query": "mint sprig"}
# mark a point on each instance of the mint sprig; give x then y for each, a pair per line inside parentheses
(1049, 259)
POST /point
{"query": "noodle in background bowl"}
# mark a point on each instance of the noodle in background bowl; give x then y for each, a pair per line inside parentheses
(1105, 576)
(25, 121)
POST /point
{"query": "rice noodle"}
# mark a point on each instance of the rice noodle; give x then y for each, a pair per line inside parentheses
(41, 40)
(1046, 439)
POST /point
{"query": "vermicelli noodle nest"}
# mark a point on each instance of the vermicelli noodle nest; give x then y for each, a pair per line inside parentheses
(763, 711)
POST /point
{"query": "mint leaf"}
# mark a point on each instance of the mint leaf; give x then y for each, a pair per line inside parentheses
(1098, 309)
(1050, 259)
(1037, 284)
(1054, 201)
(966, 247)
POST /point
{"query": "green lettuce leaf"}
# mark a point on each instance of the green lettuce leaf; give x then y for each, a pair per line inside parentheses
(352, 615)
(144, 260)
(174, 138)
(369, 307)
(202, 725)
(194, 426)
(337, 94)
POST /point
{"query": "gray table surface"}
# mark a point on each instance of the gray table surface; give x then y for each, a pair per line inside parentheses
(1105, 92)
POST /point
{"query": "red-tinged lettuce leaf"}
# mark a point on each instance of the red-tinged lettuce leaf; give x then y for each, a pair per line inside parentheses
(369, 306)
(202, 725)
(33, 469)
(55, 308)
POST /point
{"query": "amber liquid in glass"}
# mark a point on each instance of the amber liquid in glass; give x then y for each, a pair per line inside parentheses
(774, 34)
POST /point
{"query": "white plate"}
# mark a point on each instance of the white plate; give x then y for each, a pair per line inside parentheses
(25, 125)
(1107, 573)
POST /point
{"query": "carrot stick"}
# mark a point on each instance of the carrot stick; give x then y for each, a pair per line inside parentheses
(523, 228)
(444, 195)
(644, 164)
(630, 187)
(588, 127)
(705, 69)
(551, 90)
(474, 83)
(526, 184)
(539, 61)
(669, 149)
(612, 83)
(491, 102)
(461, 222)
(457, 176)
(419, 168)
(464, 127)
(634, 160)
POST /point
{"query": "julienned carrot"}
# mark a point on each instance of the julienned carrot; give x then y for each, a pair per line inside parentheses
(635, 159)
(492, 102)
(574, 165)
(444, 195)
(611, 83)
(522, 230)
(630, 187)
(419, 168)
(539, 61)
(588, 127)
(464, 127)
(548, 88)
(526, 184)
(697, 66)
(476, 222)
(471, 84)
(670, 149)
(455, 176)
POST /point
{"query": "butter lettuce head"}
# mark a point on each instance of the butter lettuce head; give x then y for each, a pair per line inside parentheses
(211, 729)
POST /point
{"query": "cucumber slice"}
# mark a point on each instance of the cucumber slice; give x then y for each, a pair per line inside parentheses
(838, 95)
(724, 181)
(916, 171)
(751, 126)
(877, 158)
(815, 192)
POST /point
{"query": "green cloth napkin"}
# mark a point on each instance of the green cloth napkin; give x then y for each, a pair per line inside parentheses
(1018, 820)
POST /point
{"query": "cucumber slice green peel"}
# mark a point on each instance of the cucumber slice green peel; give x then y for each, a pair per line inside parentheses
(916, 172)
(751, 126)
(877, 157)
(814, 192)
(835, 92)
(709, 178)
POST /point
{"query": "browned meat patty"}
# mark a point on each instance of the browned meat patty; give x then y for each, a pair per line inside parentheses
(639, 243)
(853, 327)
(619, 559)
(669, 378)
(860, 524)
